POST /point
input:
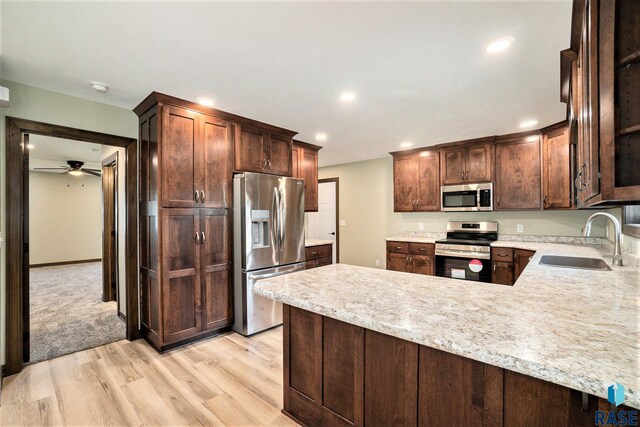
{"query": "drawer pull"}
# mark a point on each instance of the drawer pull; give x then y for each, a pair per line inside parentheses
(314, 253)
(398, 247)
(421, 249)
(502, 255)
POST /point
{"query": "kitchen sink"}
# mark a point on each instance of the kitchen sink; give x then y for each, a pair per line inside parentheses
(574, 262)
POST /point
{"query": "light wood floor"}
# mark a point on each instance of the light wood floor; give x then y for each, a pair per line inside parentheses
(226, 380)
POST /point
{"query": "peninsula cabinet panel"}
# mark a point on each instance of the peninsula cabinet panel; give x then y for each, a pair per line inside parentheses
(177, 165)
(390, 380)
(518, 172)
(457, 391)
(557, 162)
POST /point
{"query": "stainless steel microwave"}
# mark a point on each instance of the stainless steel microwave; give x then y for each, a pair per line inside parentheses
(467, 197)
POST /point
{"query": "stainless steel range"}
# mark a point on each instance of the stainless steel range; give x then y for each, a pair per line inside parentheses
(466, 253)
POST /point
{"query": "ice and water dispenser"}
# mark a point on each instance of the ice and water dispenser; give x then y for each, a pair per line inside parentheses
(260, 228)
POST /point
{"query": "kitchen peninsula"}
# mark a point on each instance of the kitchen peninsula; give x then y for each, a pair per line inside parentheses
(367, 344)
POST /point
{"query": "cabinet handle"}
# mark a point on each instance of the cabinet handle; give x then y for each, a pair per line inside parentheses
(421, 249)
(201, 196)
(466, 175)
(197, 238)
(462, 175)
(196, 196)
(314, 253)
(407, 260)
(498, 200)
(494, 267)
(502, 255)
(544, 199)
(269, 164)
(203, 239)
(398, 247)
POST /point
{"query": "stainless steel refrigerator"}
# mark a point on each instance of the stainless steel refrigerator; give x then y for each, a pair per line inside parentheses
(268, 230)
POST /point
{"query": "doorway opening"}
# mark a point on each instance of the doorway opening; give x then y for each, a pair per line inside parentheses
(71, 286)
(324, 224)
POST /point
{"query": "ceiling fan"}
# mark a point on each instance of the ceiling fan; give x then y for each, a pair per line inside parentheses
(74, 168)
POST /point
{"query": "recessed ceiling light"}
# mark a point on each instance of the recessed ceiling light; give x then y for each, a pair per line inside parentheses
(406, 144)
(206, 102)
(347, 96)
(500, 44)
(528, 123)
(99, 87)
(532, 138)
(321, 136)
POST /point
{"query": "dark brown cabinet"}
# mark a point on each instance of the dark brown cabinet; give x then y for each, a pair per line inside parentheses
(411, 257)
(317, 256)
(467, 162)
(507, 264)
(604, 109)
(518, 184)
(416, 181)
(259, 150)
(196, 168)
(557, 162)
(338, 374)
(304, 159)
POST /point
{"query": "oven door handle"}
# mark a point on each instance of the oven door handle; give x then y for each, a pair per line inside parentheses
(463, 254)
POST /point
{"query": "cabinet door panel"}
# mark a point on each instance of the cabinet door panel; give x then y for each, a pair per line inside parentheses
(557, 170)
(181, 288)
(398, 262)
(452, 165)
(178, 153)
(405, 183)
(250, 149)
(518, 170)
(422, 264)
(280, 155)
(479, 166)
(429, 181)
(390, 380)
(215, 261)
(521, 260)
(309, 164)
(214, 162)
(305, 364)
(502, 273)
(296, 171)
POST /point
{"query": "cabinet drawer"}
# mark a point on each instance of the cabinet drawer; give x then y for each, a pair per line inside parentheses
(318, 262)
(422, 248)
(502, 254)
(315, 252)
(398, 247)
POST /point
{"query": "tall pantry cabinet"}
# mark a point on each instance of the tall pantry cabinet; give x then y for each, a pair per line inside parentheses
(185, 223)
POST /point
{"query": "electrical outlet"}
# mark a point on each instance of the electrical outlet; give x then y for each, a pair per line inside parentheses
(420, 226)
(377, 263)
(520, 228)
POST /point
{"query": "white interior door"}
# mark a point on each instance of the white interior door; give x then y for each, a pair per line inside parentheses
(322, 224)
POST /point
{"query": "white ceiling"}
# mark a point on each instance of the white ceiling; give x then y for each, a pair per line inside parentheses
(419, 68)
(49, 152)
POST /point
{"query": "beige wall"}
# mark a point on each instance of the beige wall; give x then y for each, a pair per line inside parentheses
(51, 107)
(65, 217)
(121, 220)
(366, 204)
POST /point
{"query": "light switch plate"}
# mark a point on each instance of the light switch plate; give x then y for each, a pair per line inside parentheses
(420, 226)
(342, 222)
(520, 228)
(377, 263)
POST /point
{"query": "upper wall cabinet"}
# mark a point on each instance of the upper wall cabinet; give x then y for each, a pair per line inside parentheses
(195, 159)
(603, 101)
(304, 161)
(467, 162)
(258, 150)
(557, 155)
(416, 183)
(518, 184)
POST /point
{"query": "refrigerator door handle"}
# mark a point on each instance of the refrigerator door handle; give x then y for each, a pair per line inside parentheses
(281, 214)
(276, 217)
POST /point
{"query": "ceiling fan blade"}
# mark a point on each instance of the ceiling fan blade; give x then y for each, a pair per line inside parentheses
(90, 172)
(50, 169)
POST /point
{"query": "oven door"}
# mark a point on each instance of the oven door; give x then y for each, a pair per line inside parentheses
(476, 269)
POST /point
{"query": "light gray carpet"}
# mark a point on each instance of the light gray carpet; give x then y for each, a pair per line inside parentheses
(67, 312)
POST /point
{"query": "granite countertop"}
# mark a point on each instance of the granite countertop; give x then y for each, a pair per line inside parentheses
(316, 242)
(576, 328)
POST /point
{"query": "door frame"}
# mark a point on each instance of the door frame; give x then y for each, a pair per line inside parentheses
(109, 162)
(337, 181)
(17, 181)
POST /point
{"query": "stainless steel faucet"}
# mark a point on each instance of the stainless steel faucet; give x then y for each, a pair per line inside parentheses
(617, 252)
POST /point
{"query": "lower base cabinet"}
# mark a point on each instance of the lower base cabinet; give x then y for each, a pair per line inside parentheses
(338, 374)
(507, 264)
(411, 257)
(318, 256)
